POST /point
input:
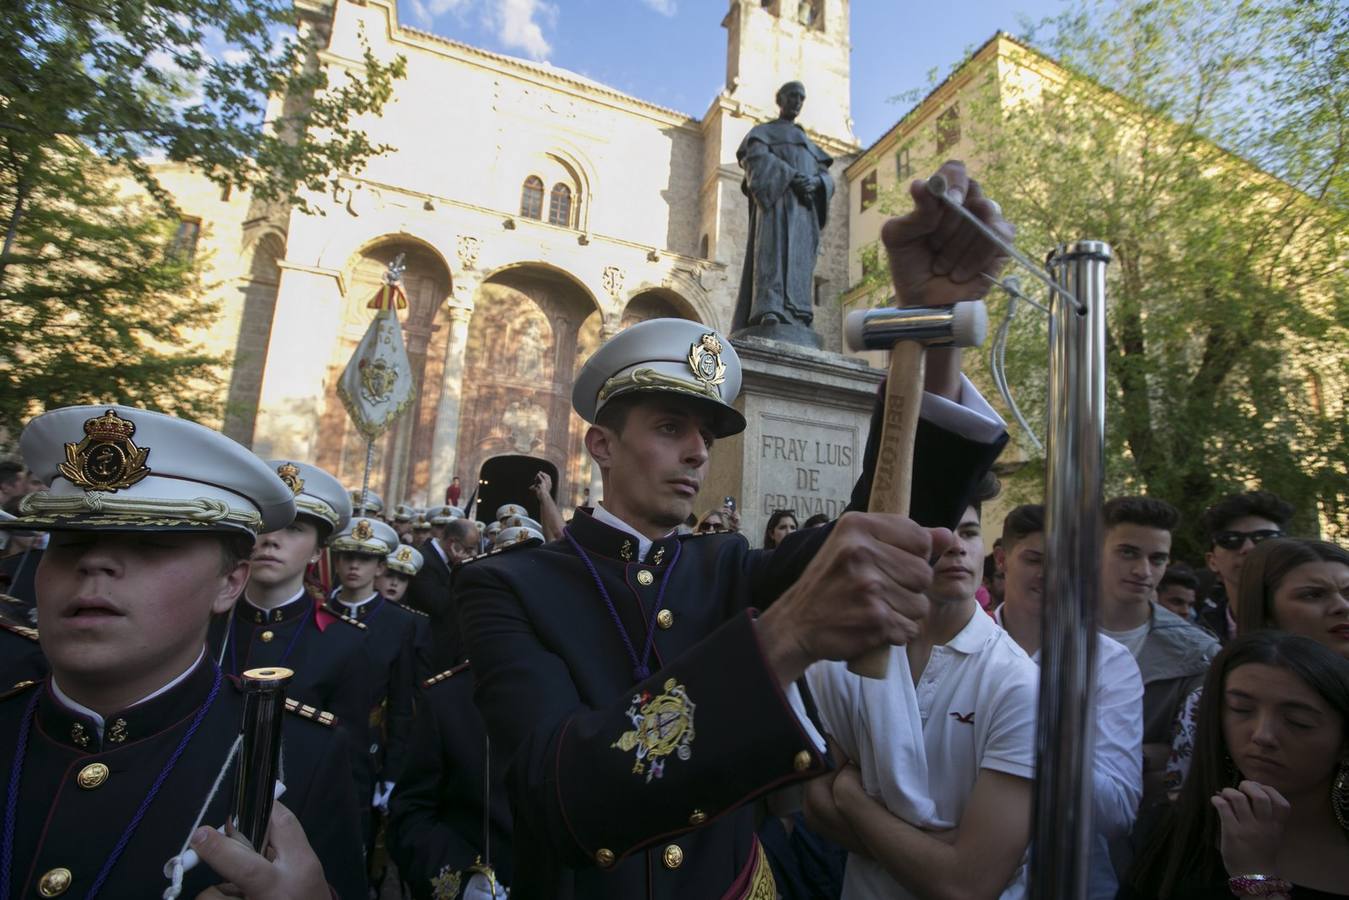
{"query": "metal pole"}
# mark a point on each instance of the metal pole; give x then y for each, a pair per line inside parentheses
(1061, 838)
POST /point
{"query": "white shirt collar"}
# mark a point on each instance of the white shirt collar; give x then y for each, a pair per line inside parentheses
(298, 594)
(643, 543)
(80, 708)
(435, 542)
(354, 606)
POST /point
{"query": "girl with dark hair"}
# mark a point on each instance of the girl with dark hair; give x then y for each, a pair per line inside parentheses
(1296, 585)
(1265, 811)
(1299, 586)
(780, 524)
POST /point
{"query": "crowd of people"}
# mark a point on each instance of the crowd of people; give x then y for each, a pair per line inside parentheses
(638, 701)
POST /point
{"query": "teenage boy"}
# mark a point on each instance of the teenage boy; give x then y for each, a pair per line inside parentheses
(1117, 695)
(400, 567)
(975, 692)
(118, 755)
(1172, 654)
(1234, 525)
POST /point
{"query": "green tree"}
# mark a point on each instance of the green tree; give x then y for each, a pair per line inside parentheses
(1208, 142)
(89, 91)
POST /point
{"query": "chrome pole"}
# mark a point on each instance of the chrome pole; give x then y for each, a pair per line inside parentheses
(1061, 837)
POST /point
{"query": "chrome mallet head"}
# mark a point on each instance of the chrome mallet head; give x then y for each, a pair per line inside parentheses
(963, 324)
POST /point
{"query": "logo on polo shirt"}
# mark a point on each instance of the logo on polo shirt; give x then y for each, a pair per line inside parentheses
(967, 718)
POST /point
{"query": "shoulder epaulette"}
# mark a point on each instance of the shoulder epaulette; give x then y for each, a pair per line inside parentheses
(445, 676)
(21, 630)
(338, 614)
(411, 609)
(497, 551)
(18, 688)
(313, 714)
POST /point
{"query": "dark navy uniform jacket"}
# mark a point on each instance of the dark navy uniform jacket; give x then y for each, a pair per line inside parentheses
(327, 662)
(626, 787)
(21, 657)
(77, 795)
(436, 812)
(396, 646)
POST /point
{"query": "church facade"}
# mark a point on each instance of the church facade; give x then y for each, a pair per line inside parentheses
(538, 213)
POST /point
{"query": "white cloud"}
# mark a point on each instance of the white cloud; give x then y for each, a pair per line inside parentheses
(665, 7)
(520, 23)
(426, 11)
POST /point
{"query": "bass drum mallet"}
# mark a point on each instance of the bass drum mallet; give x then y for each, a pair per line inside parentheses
(907, 332)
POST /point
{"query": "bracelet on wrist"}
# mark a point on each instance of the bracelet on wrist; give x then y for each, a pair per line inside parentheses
(1258, 885)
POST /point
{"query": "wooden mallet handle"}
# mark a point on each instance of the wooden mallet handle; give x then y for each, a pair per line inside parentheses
(892, 480)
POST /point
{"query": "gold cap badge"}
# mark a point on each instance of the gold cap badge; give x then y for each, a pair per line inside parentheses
(107, 459)
(362, 531)
(705, 361)
(404, 554)
(290, 474)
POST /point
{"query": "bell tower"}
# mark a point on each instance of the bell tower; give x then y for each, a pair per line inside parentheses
(769, 42)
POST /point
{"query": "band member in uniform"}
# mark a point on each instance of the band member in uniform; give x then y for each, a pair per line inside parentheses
(623, 670)
(400, 567)
(436, 815)
(115, 759)
(277, 622)
(395, 639)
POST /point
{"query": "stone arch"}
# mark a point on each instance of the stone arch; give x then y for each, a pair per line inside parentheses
(403, 454)
(519, 366)
(657, 303)
(259, 287)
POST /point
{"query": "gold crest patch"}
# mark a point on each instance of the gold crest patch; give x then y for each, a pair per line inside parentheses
(290, 474)
(363, 531)
(107, 459)
(662, 725)
(445, 884)
(705, 361)
(404, 554)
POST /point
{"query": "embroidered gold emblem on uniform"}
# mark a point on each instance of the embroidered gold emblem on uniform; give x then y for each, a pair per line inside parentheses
(705, 361)
(290, 474)
(662, 725)
(445, 884)
(106, 459)
(626, 550)
(362, 531)
(404, 554)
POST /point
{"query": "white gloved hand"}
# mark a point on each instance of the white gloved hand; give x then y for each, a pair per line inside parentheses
(380, 801)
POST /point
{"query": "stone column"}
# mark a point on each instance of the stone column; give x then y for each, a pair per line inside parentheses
(290, 400)
(445, 442)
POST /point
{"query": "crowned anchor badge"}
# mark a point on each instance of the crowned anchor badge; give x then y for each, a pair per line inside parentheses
(107, 459)
(705, 361)
(290, 474)
(662, 725)
(363, 531)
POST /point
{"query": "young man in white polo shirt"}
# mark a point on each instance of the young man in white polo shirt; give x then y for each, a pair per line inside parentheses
(976, 695)
(1117, 763)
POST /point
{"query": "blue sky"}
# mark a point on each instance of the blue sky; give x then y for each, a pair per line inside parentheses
(673, 52)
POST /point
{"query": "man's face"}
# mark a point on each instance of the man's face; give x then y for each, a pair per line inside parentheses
(1227, 561)
(118, 606)
(790, 100)
(282, 556)
(391, 584)
(458, 551)
(1177, 598)
(656, 466)
(957, 572)
(358, 571)
(1135, 560)
(1024, 569)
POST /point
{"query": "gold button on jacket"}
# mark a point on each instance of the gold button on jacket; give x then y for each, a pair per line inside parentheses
(54, 882)
(664, 618)
(92, 776)
(674, 856)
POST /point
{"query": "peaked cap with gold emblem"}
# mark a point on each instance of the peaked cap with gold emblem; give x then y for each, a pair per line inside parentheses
(516, 534)
(374, 502)
(318, 495)
(404, 513)
(405, 559)
(507, 510)
(664, 356)
(365, 535)
(117, 468)
(443, 515)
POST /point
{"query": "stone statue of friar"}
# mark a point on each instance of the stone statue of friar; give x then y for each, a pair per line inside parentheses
(788, 184)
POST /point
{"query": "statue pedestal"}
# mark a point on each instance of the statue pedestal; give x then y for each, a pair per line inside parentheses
(808, 414)
(785, 333)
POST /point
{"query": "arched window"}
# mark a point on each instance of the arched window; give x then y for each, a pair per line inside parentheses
(531, 198)
(559, 205)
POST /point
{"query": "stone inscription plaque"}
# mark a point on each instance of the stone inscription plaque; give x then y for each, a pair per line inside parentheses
(805, 466)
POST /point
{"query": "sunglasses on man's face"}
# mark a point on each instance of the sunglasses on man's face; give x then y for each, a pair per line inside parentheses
(1234, 540)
